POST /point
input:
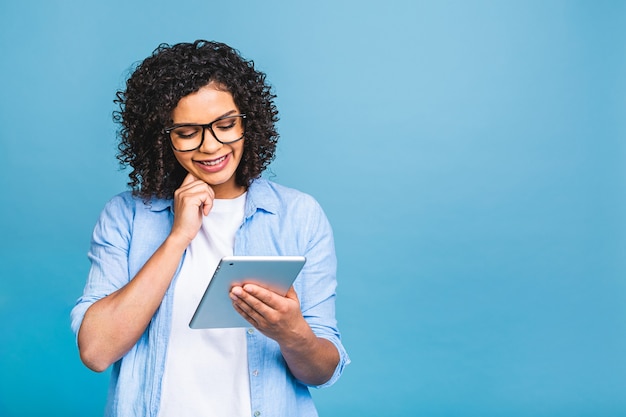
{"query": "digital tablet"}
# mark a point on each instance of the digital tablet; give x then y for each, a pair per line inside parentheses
(216, 310)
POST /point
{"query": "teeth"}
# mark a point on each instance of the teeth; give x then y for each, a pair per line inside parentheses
(212, 163)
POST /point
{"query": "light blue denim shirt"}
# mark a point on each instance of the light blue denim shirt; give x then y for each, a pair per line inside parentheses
(277, 221)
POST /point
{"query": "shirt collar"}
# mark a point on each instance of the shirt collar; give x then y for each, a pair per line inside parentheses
(261, 197)
(159, 204)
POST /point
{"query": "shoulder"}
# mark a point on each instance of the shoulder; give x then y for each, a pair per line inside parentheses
(127, 201)
(126, 214)
(126, 208)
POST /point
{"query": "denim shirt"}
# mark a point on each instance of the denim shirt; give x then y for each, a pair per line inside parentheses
(277, 221)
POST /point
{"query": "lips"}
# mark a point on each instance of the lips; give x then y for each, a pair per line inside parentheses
(213, 162)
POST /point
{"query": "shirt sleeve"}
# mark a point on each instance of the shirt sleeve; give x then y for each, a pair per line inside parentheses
(316, 286)
(108, 255)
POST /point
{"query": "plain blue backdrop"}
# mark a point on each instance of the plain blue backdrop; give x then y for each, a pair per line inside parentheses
(469, 154)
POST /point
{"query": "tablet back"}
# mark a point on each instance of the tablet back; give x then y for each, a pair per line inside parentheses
(215, 309)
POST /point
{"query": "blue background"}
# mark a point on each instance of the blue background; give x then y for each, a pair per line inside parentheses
(469, 154)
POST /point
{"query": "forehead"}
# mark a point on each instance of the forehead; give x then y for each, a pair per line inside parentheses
(205, 105)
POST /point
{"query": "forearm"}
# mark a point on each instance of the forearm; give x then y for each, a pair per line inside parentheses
(310, 359)
(112, 325)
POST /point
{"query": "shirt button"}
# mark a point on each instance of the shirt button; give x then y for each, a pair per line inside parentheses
(257, 413)
(250, 331)
(255, 372)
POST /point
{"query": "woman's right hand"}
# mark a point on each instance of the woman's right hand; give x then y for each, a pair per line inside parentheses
(192, 200)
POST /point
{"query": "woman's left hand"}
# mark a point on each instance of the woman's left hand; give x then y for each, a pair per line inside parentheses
(277, 317)
(311, 359)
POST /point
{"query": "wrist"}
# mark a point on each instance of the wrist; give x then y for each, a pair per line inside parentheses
(177, 241)
(300, 339)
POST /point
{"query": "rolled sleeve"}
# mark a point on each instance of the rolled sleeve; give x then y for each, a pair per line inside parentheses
(108, 255)
(317, 284)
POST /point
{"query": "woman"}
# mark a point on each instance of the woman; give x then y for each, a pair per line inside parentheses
(198, 129)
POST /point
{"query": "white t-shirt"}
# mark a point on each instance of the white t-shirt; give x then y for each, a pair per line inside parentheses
(206, 371)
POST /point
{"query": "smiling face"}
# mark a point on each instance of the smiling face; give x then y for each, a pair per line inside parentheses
(214, 163)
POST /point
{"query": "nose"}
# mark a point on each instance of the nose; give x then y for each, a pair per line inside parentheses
(209, 143)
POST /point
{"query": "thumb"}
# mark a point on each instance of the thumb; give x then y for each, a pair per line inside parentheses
(206, 208)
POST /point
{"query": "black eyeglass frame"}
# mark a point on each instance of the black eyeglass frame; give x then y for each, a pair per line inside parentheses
(168, 131)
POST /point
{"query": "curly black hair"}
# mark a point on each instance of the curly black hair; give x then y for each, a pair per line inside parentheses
(154, 89)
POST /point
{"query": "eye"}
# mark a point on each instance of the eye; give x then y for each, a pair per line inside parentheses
(186, 132)
(226, 124)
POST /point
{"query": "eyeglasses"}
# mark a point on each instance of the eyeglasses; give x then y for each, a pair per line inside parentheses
(189, 137)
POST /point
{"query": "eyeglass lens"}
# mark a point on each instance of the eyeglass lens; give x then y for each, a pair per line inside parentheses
(225, 130)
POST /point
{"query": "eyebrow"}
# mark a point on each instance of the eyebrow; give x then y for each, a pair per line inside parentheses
(228, 113)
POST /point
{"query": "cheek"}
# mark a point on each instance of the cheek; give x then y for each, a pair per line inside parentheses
(238, 151)
(181, 159)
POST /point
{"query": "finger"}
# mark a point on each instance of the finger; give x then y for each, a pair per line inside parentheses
(201, 188)
(188, 184)
(243, 304)
(249, 303)
(261, 296)
(245, 314)
(206, 208)
(197, 191)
